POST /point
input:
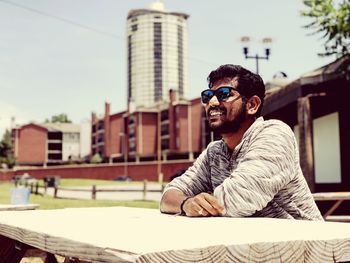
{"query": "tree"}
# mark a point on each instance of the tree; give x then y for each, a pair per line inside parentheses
(60, 118)
(96, 158)
(6, 154)
(333, 21)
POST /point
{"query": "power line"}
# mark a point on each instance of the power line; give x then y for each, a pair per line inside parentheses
(84, 26)
(62, 19)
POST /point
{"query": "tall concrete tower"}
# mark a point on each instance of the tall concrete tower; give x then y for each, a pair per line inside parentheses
(157, 55)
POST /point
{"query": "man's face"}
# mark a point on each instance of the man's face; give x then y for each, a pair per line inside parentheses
(226, 116)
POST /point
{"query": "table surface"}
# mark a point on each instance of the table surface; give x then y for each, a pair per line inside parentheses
(119, 234)
(9, 207)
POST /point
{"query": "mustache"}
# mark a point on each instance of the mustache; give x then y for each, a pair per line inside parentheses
(216, 109)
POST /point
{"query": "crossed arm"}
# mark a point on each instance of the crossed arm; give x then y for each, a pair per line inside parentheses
(191, 192)
(259, 176)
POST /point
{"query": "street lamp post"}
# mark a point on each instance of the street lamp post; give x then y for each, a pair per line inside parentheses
(245, 40)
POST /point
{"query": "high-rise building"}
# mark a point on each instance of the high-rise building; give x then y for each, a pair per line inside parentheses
(157, 55)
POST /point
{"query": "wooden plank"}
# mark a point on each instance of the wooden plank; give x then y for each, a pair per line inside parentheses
(118, 234)
(333, 208)
(338, 218)
(331, 196)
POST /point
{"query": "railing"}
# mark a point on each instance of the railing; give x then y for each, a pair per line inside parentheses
(34, 189)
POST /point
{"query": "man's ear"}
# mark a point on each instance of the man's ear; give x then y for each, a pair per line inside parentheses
(253, 105)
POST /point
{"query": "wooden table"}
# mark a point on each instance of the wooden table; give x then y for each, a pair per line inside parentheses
(10, 207)
(119, 234)
(338, 198)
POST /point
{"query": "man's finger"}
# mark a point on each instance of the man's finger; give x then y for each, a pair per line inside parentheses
(213, 201)
(194, 209)
(207, 206)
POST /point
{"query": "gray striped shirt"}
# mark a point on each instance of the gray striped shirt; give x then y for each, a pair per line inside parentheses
(261, 177)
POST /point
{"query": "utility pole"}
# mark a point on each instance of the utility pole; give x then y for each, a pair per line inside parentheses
(257, 57)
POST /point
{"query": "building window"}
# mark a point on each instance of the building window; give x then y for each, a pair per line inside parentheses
(131, 132)
(55, 156)
(100, 125)
(164, 129)
(134, 27)
(165, 144)
(134, 19)
(55, 146)
(132, 146)
(129, 68)
(158, 67)
(132, 119)
(100, 139)
(180, 60)
(54, 135)
(164, 115)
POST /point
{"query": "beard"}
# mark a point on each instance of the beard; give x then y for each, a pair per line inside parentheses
(231, 126)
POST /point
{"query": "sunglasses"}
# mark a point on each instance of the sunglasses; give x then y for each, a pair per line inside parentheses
(222, 94)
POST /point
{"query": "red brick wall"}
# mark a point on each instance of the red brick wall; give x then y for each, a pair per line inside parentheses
(107, 134)
(196, 127)
(172, 126)
(140, 171)
(183, 120)
(32, 144)
(116, 127)
(147, 139)
(6, 176)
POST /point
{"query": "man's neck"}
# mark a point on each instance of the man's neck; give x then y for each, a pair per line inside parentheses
(233, 139)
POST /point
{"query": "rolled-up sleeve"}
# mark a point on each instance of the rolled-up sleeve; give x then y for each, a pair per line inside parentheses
(267, 166)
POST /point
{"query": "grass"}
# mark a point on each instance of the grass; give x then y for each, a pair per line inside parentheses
(48, 202)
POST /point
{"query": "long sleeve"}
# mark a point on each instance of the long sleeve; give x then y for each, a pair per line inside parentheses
(196, 179)
(268, 165)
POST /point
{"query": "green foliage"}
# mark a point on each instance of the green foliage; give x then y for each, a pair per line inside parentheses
(333, 21)
(96, 158)
(6, 154)
(60, 118)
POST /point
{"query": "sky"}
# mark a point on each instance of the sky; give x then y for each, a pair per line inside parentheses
(69, 56)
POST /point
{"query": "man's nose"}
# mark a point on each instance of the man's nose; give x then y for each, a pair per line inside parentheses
(213, 101)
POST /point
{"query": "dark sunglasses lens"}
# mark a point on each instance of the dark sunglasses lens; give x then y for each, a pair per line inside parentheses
(223, 93)
(207, 95)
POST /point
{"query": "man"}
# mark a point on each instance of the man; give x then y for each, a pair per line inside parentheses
(254, 170)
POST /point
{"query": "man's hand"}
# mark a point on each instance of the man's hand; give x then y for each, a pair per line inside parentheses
(203, 204)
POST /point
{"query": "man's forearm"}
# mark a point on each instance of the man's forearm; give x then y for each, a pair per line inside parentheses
(171, 201)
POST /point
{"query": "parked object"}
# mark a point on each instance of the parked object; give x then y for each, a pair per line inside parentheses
(123, 178)
(52, 181)
(23, 179)
(20, 196)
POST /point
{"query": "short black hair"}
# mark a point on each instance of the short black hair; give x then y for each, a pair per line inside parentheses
(249, 83)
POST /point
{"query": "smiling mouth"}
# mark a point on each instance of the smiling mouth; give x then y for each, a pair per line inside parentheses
(215, 113)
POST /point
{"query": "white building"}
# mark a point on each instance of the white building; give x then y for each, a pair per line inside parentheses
(157, 55)
(69, 141)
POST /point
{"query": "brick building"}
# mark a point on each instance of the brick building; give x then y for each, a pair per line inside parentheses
(49, 143)
(173, 130)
